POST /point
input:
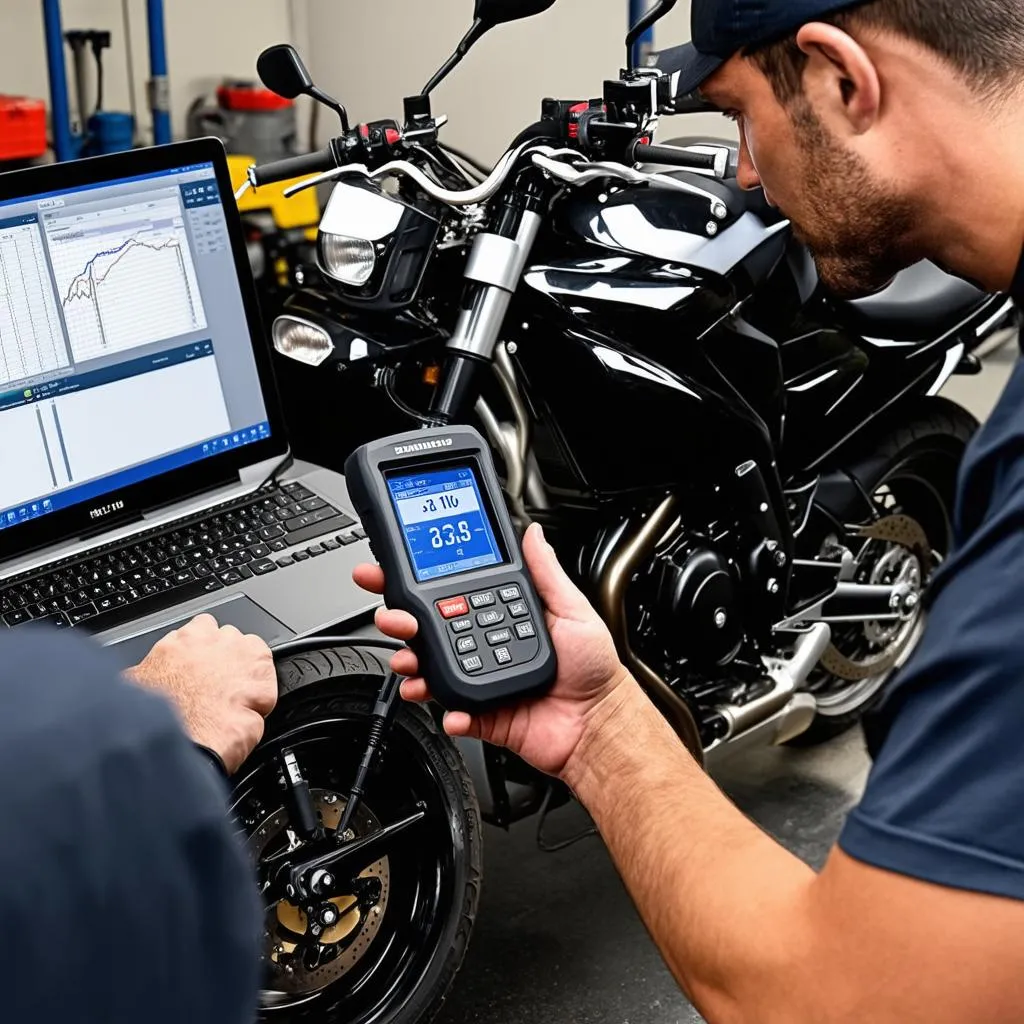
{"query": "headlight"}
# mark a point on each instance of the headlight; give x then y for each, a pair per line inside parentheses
(349, 260)
(301, 340)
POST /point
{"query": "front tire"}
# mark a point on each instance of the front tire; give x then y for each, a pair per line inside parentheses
(913, 471)
(398, 967)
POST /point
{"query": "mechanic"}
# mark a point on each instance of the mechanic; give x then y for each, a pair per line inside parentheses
(123, 894)
(888, 132)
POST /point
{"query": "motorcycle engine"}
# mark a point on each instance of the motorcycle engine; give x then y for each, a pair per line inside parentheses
(695, 604)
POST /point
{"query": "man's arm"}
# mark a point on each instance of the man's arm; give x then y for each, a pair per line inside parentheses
(750, 932)
(116, 843)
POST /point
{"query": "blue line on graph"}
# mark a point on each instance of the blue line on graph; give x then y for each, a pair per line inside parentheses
(87, 272)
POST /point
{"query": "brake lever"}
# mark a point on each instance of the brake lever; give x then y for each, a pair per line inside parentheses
(597, 171)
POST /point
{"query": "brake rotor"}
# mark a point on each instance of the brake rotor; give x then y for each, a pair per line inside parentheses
(908, 534)
(288, 944)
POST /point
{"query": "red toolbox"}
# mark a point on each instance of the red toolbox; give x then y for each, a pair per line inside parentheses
(22, 128)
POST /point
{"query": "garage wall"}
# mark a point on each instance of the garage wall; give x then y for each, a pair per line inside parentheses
(206, 40)
(372, 54)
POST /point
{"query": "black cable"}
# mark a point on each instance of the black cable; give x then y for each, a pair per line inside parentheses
(315, 643)
(381, 719)
(565, 844)
(388, 384)
(467, 159)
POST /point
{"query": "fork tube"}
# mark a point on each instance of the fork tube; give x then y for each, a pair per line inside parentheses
(494, 269)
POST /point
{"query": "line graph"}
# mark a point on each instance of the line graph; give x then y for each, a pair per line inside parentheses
(125, 279)
(31, 341)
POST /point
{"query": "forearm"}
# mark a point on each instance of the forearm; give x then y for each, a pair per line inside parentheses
(727, 906)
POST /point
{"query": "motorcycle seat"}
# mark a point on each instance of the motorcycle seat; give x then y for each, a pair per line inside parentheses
(920, 304)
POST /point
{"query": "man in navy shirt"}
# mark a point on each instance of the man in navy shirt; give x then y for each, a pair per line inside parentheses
(124, 897)
(888, 132)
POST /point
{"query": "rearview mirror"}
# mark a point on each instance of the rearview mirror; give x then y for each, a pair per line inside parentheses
(281, 70)
(497, 12)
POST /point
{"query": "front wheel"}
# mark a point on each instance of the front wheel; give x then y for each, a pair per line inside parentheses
(400, 924)
(912, 472)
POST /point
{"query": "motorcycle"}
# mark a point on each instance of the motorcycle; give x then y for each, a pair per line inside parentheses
(752, 480)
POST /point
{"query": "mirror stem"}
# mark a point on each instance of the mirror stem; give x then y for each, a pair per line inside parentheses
(655, 14)
(471, 38)
(321, 97)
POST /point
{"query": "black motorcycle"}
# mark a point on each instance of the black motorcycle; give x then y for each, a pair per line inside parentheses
(751, 479)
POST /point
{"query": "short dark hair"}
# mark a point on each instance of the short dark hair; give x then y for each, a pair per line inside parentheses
(982, 40)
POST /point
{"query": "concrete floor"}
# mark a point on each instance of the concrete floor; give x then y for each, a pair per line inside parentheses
(558, 940)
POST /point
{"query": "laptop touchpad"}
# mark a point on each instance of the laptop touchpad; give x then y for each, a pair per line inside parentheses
(242, 613)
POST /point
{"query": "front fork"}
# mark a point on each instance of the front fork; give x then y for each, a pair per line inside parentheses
(493, 272)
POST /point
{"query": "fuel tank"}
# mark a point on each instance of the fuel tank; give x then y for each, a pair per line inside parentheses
(609, 330)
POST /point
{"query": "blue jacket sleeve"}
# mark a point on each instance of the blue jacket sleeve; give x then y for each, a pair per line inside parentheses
(123, 892)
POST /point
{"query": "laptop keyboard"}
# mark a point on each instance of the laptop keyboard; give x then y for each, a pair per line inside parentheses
(177, 562)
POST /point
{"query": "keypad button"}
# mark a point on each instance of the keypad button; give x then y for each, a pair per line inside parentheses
(502, 655)
(452, 607)
(524, 630)
(499, 636)
(482, 600)
(510, 593)
(461, 625)
(490, 618)
(518, 609)
(472, 663)
(465, 644)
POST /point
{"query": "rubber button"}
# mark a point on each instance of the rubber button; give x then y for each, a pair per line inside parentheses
(482, 600)
(510, 593)
(503, 656)
(453, 607)
(524, 630)
(465, 644)
(472, 663)
(461, 625)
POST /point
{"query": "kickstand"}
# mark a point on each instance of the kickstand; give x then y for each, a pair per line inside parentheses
(380, 724)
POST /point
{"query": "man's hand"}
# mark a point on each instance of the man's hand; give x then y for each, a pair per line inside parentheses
(222, 682)
(544, 732)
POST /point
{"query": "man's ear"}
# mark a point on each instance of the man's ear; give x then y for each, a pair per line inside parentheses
(840, 78)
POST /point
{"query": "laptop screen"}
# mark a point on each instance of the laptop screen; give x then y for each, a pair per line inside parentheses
(125, 348)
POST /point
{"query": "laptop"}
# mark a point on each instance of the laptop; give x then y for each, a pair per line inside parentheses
(145, 471)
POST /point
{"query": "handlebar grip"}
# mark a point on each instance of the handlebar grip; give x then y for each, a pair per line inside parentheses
(294, 167)
(645, 153)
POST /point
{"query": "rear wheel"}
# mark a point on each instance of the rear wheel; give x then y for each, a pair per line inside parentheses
(401, 923)
(912, 473)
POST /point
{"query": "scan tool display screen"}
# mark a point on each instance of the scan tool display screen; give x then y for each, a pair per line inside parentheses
(445, 521)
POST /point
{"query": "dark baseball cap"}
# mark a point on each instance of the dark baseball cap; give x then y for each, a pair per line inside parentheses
(723, 28)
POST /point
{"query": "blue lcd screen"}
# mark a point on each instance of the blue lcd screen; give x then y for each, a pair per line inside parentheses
(445, 522)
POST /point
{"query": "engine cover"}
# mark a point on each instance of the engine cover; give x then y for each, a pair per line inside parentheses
(698, 605)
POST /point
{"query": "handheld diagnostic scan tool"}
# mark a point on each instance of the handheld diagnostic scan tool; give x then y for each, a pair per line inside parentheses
(436, 519)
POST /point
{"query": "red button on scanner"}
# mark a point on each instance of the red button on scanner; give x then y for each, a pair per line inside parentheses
(451, 607)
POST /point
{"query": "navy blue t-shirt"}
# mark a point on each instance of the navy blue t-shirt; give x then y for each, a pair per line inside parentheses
(124, 896)
(945, 798)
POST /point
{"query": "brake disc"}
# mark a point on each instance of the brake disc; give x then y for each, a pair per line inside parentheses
(907, 533)
(287, 940)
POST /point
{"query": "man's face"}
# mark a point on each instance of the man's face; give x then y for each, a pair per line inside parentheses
(856, 225)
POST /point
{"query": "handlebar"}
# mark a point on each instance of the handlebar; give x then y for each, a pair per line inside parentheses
(646, 153)
(293, 167)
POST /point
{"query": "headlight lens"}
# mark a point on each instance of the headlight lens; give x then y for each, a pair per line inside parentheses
(349, 260)
(301, 340)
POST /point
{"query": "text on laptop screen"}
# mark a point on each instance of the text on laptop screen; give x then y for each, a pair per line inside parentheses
(124, 346)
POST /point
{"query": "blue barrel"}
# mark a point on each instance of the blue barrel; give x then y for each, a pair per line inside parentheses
(110, 132)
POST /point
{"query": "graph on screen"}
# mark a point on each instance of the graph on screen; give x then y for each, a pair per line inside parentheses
(31, 341)
(125, 277)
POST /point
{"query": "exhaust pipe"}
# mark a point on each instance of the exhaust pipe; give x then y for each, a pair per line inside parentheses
(782, 712)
